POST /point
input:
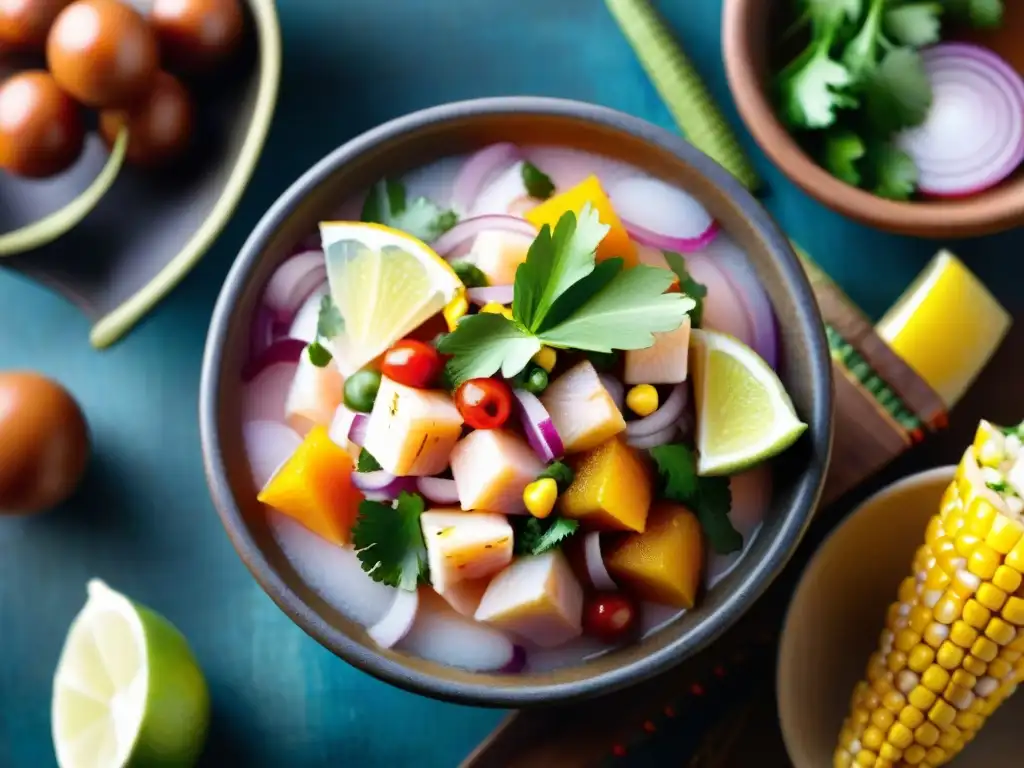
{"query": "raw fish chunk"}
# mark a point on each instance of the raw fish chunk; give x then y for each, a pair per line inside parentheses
(611, 489)
(465, 545)
(498, 254)
(412, 431)
(491, 468)
(663, 363)
(581, 409)
(537, 598)
(465, 596)
(314, 396)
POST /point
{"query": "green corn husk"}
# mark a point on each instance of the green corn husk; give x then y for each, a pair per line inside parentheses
(681, 88)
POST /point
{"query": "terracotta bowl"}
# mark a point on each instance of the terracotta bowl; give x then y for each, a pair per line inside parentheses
(837, 613)
(748, 35)
(454, 129)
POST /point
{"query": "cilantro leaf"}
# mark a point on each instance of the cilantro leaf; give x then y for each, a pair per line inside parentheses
(712, 512)
(366, 462)
(535, 536)
(389, 541)
(811, 87)
(915, 24)
(483, 344)
(329, 322)
(319, 355)
(983, 14)
(387, 204)
(579, 293)
(677, 467)
(690, 287)
(824, 14)
(894, 172)
(898, 93)
(470, 274)
(624, 314)
(538, 184)
(560, 472)
(842, 151)
(860, 56)
(554, 263)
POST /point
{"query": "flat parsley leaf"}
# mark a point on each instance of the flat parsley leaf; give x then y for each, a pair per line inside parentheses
(389, 541)
(538, 184)
(894, 172)
(708, 497)
(366, 462)
(554, 263)
(624, 314)
(843, 149)
(690, 287)
(826, 13)
(560, 472)
(535, 536)
(898, 93)
(915, 24)
(483, 344)
(811, 87)
(329, 322)
(387, 204)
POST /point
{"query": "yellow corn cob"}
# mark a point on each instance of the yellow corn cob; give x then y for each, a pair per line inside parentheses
(953, 645)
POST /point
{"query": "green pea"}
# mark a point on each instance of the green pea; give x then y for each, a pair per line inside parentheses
(536, 381)
(361, 389)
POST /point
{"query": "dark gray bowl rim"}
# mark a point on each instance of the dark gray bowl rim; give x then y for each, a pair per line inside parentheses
(756, 580)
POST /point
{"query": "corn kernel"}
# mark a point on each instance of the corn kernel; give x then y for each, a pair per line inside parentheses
(986, 686)
(872, 738)
(999, 631)
(865, 758)
(935, 634)
(974, 665)
(936, 579)
(456, 310)
(1013, 611)
(881, 686)
(950, 739)
(1006, 579)
(892, 615)
(870, 701)
(906, 639)
(963, 678)
(981, 706)
(914, 754)
(919, 618)
(896, 661)
(999, 668)
(907, 591)
(962, 635)
(950, 500)
(1009, 655)
(966, 543)
(1018, 644)
(546, 358)
(941, 714)
(968, 721)
(496, 308)
(950, 655)
(964, 584)
(894, 701)
(882, 718)
(984, 649)
(936, 756)
(954, 521)
(842, 759)
(948, 609)
(900, 736)
(980, 516)
(935, 678)
(958, 696)
(976, 614)
(921, 697)
(1005, 534)
(990, 596)
(983, 562)
(539, 497)
(881, 762)
(911, 717)
(889, 752)
(860, 717)
(943, 546)
(906, 681)
(920, 658)
(643, 400)
(1015, 557)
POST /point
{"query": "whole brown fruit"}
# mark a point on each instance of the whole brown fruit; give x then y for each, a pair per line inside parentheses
(102, 52)
(44, 443)
(41, 130)
(159, 124)
(197, 34)
(24, 23)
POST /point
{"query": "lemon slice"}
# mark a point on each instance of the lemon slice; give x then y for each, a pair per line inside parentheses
(127, 689)
(385, 283)
(744, 414)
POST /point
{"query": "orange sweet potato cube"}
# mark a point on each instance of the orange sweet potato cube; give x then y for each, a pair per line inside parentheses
(611, 490)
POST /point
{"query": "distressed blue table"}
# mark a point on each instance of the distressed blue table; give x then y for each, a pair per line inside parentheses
(144, 521)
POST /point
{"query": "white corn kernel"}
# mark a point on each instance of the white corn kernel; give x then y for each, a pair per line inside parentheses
(986, 686)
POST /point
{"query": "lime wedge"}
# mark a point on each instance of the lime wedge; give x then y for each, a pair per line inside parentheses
(385, 284)
(744, 414)
(127, 689)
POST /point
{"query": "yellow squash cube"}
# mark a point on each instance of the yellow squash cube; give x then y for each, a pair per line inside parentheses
(664, 563)
(611, 490)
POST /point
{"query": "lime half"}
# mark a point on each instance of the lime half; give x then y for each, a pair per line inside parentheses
(127, 690)
(744, 414)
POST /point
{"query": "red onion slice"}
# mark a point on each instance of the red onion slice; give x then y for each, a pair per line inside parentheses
(307, 318)
(727, 255)
(463, 233)
(568, 167)
(662, 216)
(973, 136)
(517, 663)
(293, 282)
(653, 440)
(397, 622)
(540, 430)
(264, 330)
(480, 169)
(596, 569)
(500, 294)
(724, 308)
(438, 490)
(348, 426)
(268, 444)
(665, 416)
(280, 351)
(615, 389)
(373, 481)
(265, 396)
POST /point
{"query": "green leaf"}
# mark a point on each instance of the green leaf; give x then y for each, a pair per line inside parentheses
(860, 56)
(581, 292)
(826, 14)
(538, 184)
(843, 149)
(712, 511)
(898, 93)
(561, 473)
(554, 263)
(915, 24)
(984, 14)
(690, 287)
(624, 314)
(366, 462)
(483, 344)
(895, 175)
(470, 274)
(329, 322)
(534, 536)
(387, 203)
(677, 467)
(811, 86)
(318, 354)
(389, 542)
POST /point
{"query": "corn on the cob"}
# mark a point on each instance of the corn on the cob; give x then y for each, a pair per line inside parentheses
(953, 645)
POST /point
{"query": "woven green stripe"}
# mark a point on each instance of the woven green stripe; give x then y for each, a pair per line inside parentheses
(681, 88)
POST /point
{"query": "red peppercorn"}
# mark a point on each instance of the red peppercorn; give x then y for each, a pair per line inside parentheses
(612, 617)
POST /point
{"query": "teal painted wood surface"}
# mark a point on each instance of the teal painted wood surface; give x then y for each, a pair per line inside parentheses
(143, 520)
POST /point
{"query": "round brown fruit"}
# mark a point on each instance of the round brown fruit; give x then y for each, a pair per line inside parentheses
(102, 52)
(195, 34)
(45, 443)
(24, 23)
(41, 131)
(159, 125)
(611, 617)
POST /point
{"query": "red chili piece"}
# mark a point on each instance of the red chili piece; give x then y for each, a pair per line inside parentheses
(611, 617)
(484, 403)
(412, 363)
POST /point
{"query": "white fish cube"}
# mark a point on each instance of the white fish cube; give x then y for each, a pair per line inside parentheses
(314, 396)
(665, 362)
(581, 409)
(464, 545)
(491, 468)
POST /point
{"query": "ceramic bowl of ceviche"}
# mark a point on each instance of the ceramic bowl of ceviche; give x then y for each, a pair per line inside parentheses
(515, 401)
